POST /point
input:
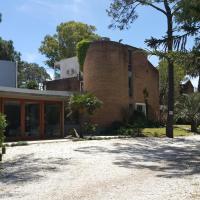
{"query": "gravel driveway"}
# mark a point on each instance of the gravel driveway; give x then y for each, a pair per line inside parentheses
(118, 169)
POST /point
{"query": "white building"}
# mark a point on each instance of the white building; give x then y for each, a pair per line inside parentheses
(67, 68)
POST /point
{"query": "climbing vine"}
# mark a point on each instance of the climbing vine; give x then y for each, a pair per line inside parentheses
(82, 48)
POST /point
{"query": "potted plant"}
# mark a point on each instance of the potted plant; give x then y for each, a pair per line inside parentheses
(3, 125)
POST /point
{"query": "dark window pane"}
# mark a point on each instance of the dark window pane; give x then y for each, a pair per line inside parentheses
(32, 119)
(52, 120)
(12, 112)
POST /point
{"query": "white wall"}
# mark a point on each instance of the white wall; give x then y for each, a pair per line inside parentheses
(68, 67)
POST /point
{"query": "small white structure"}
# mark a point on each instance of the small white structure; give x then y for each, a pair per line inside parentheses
(67, 68)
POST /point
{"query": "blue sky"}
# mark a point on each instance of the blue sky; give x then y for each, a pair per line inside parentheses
(26, 22)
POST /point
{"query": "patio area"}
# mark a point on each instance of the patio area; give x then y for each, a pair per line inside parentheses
(119, 169)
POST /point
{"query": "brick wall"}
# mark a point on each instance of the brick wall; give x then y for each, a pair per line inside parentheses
(106, 75)
(68, 84)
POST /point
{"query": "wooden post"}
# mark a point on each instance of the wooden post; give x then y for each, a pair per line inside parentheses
(22, 118)
(62, 119)
(42, 120)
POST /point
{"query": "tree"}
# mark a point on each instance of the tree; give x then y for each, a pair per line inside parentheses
(8, 52)
(63, 44)
(192, 62)
(124, 13)
(188, 108)
(179, 74)
(189, 17)
(32, 85)
(31, 75)
(82, 105)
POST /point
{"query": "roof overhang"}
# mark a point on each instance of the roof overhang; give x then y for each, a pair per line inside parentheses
(10, 92)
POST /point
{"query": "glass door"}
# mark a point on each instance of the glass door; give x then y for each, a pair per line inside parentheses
(32, 119)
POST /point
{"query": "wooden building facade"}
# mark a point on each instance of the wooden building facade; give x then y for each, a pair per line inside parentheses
(33, 114)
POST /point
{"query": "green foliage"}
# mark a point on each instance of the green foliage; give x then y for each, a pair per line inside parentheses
(84, 103)
(3, 125)
(7, 51)
(26, 71)
(160, 132)
(89, 128)
(188, 108)
(63, 44)
(179, 74)
(32, 85)
(82, 48)
(189, 12)
(132, 126)
(31, 74)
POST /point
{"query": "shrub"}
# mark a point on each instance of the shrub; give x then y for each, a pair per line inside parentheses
(3, 125)
(89, 128)
(187, 108)
(32, 85)
(139, 120)
(83, 105)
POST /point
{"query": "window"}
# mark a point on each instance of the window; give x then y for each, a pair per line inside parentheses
(32, 119)
(12, 110)
(72, 71)
(57, 73)
(130, 88)
(52, 120)
(141, 107)
(130, 75)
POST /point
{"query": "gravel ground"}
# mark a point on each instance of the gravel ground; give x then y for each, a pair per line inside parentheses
(118, 169)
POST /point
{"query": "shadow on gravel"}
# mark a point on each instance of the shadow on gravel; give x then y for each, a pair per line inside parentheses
(26, 168)
(171, 158)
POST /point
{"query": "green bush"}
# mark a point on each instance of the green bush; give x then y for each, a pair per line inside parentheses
(139, 120)
(89, 128)
(82, 48)
(3, 125)
(32, 85)
(83, 105)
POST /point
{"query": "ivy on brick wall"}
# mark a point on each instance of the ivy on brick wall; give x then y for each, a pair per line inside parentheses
(82, 48)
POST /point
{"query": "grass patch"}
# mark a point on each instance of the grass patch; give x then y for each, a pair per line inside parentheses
(161, 132)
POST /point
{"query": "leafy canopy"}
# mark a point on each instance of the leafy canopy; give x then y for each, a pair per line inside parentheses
(63, 44)
(84, 103)
(30, 73)
(124, 13)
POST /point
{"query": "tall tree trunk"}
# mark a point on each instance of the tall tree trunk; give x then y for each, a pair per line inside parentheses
(199, 82)
(170, 115)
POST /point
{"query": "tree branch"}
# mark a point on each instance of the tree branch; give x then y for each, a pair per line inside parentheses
(153, 6)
